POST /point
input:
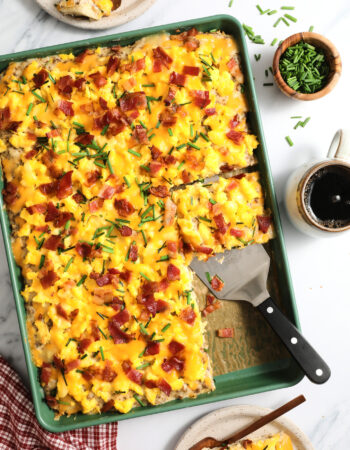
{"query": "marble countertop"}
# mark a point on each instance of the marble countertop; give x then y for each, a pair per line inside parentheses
(319, 268)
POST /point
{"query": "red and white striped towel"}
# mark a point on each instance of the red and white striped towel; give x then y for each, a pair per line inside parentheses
(20, 430)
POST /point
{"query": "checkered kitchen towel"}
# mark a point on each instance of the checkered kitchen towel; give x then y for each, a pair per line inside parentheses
(20, 430)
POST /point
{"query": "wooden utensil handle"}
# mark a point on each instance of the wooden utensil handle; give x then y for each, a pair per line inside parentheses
(266, 419)
(306, 356)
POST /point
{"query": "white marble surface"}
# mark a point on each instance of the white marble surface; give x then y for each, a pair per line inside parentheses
(320, 268)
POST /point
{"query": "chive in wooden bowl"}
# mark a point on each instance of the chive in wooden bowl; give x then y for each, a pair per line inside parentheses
(331, 72)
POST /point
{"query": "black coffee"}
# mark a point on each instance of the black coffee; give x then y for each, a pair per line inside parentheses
(327, 196)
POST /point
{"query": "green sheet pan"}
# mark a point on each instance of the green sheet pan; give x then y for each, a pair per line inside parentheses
(275, 375)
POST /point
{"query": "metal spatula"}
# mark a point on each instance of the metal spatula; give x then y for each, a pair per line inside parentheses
(244, 273)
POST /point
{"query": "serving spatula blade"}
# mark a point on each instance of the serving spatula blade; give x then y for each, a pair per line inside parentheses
(244, 273)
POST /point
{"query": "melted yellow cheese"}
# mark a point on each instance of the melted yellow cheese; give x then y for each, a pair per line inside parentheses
(279, 441)
(199, 146)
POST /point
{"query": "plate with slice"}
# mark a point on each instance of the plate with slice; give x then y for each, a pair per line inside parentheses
(280, 434)
(95, 14)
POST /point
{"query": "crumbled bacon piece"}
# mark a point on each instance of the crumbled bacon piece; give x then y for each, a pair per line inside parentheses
(84, 345)
(140, 134)
(216, 283)
(53, 133)
(83, 249)
(112, 65)
(49, 188)
(108, 406)
(13, 126)
(125, 230)
(236, 136)
(103, 103)
(71, 365)
(40, 78)
(200, 98)
(61, 311)
(98, 79)
(173, 273)
(172, 248)
(39, 208)
(264, 222)
(155, 153)
(204, 249)
(133, 375)
(160, 191)
(96, 204)
(175, 347)
(191, 70)
(173, 363)
(169, 212)
(48, 279)
(167, 118)
(85, 139)
(92, 177)
(95, 332)
(64, 188)
(226, 332)
(31, 153)
(75, 312)
(162, 56)
(154, 167)
(53, 242)
(59, 364)
(65, 85)
(236, 233)
(108, 374)
(133, 252)
(79, 83)
(5, 115)
(192, 43)
(121, 318)
(234, 70)
(188, 315)
(221, 225)
(231, 185)
(234, 122)
(157, 65)
(133, 100)
(152, 349)
(124, 207)
(186, 176)
(169, 160)
(165, 387)
(81, 57)
(45, 373)
(177, 78)
(210, 111)
(135, 66)
(119, 336)
(66, 107)
(171, 95)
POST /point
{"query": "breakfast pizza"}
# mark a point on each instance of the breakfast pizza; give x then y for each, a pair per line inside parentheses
(93, 9)
(279, 441)
(94, 150)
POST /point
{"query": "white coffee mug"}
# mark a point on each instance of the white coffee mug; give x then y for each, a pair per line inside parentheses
(296, 195)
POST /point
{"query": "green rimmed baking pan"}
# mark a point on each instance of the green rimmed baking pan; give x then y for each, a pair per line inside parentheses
(274, 375)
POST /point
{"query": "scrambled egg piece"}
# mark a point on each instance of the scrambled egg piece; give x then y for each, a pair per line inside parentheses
(93, 9)
(92, 147)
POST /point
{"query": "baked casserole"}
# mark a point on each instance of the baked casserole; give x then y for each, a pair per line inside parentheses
(101, 154)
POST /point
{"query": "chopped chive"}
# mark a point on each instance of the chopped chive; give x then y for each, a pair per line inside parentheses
(104, 131)
(205, 219)
(267, 84)
(165, 327)
(145, 276)
(288, 7)
(277, 22)
(311, 29)
(285, 21)
(180, 165)
(30, 107)
(163, 258)
(42, 261)
(127, 182)
(212, 201)
(170, 131)
(208, 276)
(151, 137)
(144, 237)
(142, 124)
(290, 142)
(39, 97)
(102, 355)
(145, 167)
(158, 124)
(273, 42)
(134, 153)
(149, 85)
(257, 57)
(229, 5)
(191, 130)
(143, 366)
(52, 79)
(139, 401)
(81, 281)
(143, 352)
(291, 18)
(101, 315)
(272, 12)
(68, 264)
(64, 378)
(179, 147)
(193, 145)
(143, 329)
(305, 121)
(296, 117)
(204, 137)
(102, 333)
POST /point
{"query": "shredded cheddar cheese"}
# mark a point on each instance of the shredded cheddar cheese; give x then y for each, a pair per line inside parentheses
(92, 148)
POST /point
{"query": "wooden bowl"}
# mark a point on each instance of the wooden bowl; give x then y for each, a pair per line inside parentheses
(332, 56)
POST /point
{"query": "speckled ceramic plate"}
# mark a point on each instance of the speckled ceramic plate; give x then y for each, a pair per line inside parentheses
(224, 422)
(128, 10)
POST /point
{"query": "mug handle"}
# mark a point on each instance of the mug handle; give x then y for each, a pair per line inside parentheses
(340, 145)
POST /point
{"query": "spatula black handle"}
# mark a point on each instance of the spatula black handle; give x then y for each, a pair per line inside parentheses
(305, 355)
